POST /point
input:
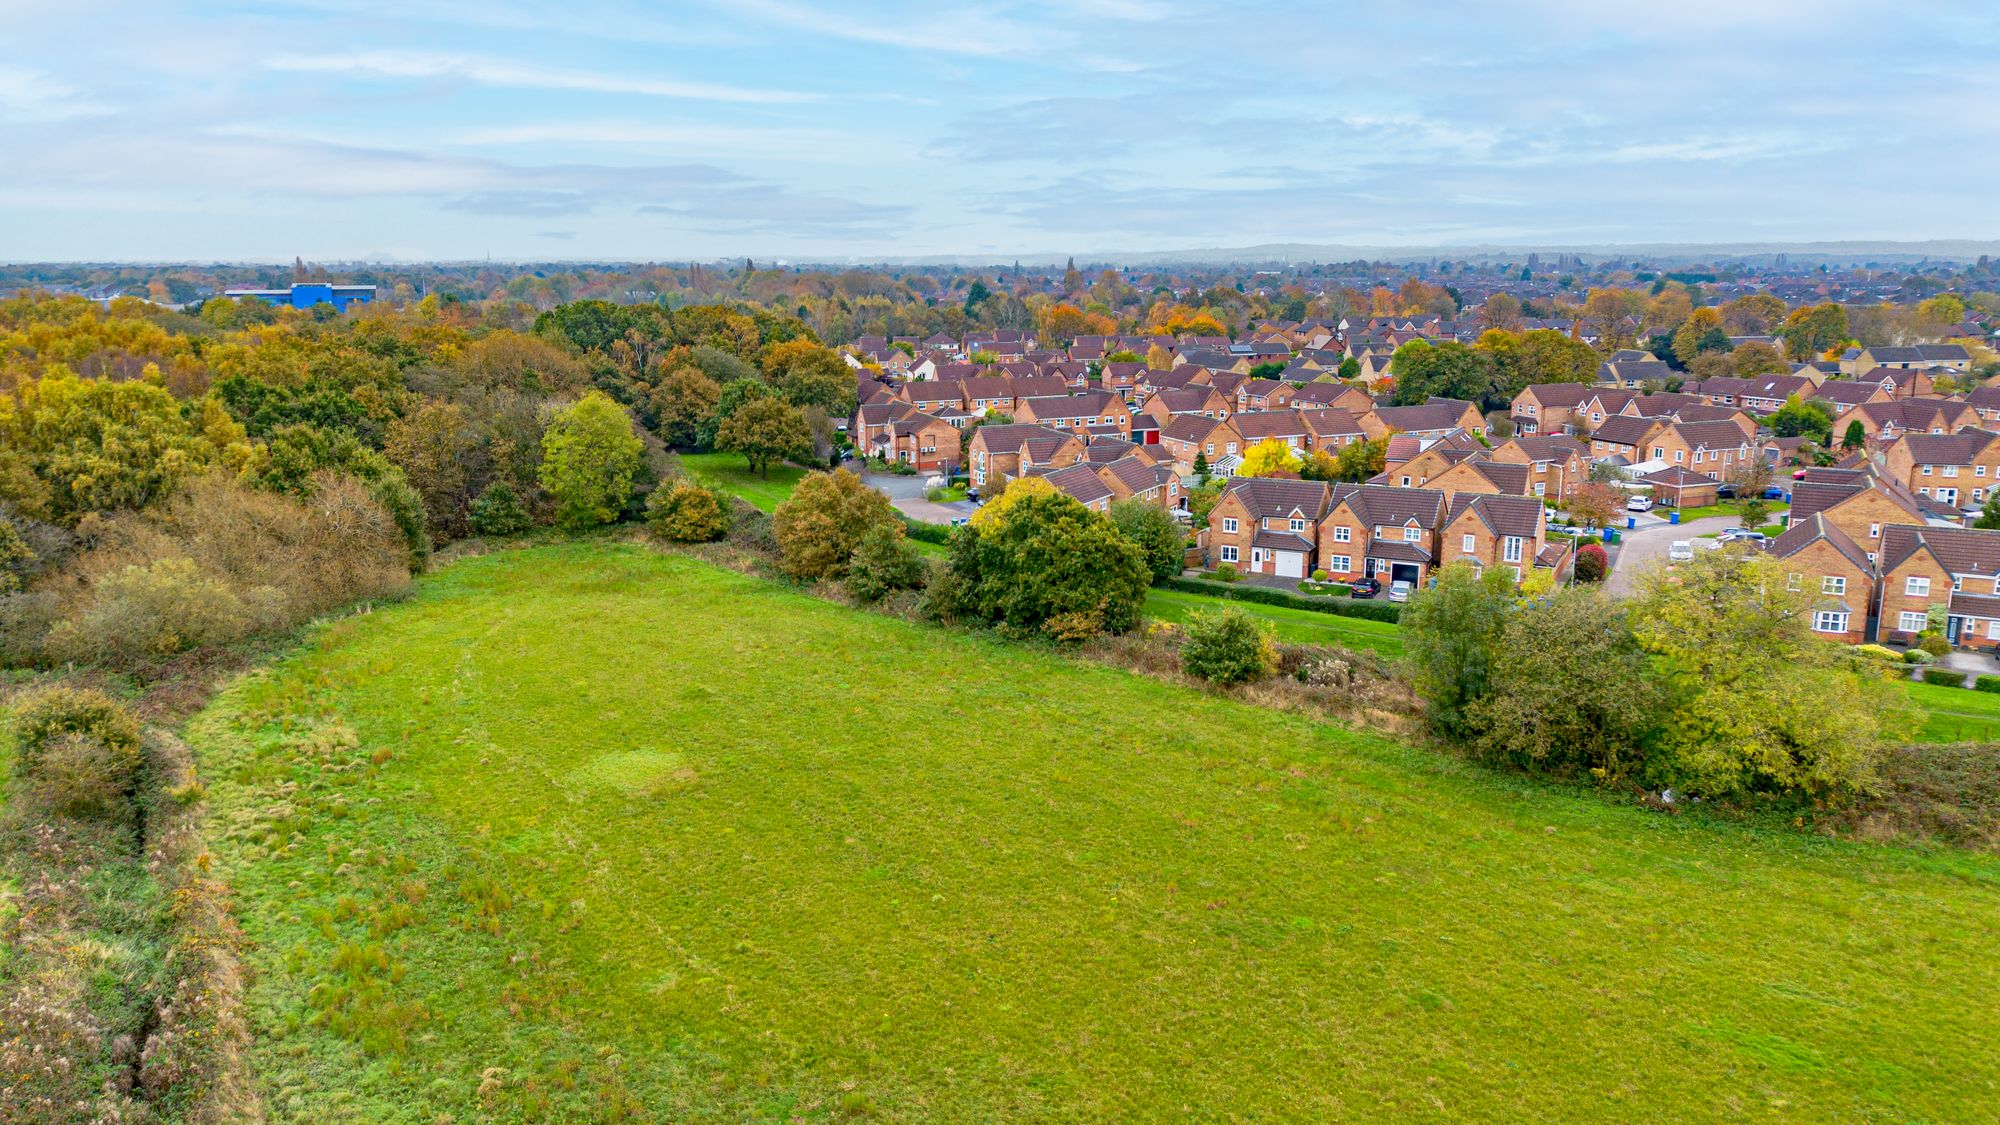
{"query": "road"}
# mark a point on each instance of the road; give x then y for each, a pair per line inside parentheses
(1643, 547)
(906, 494)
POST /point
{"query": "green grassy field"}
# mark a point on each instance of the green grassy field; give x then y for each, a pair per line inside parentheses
(1956, 714)
(1297, 626)
(586, 831)
(729, 471)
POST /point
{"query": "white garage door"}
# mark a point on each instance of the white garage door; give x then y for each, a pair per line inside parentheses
(1291, 564)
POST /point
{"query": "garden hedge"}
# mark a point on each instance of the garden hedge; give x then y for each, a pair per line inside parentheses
(927, 532)
(1264, 595)
(1987, 683)
(1944, 677)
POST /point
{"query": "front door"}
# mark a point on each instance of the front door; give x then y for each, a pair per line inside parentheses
(1951, 627)
(1948, 495)
(1257, 558)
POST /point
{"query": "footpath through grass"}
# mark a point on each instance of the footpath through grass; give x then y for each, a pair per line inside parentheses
(587, 831)
(1954, 714)
(1298, 626)
(729, 471)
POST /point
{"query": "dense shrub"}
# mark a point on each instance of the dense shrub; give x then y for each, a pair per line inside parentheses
(1569, 691)
(154, 610)
(499, 511)
(1877, 652)
(823, 521)
(1934, 644)
(884, 561)
(685, 512)
(1047, 564)
(55, 712)
(1591, 563)
(25, 621)
(927, 532)
(1986, 683)
(1264, 595)
(1228, 646)
(1224, 572)
(1917, 656)
(590, 454)
(1944, 677)
(79, 776)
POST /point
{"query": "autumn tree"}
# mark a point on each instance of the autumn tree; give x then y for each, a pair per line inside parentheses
(1360, 460)
(684, 403)
(1809, 332)
(765, 430)
(1269, 457)
(590, 453)
(806, 374)
(432, 445)
(823, 521)
(1596, 504)
(1549, 356)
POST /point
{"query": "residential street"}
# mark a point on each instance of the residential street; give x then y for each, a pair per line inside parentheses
(906, 494)
(1646, 545)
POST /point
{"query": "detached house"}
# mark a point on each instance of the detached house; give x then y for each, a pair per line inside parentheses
(1381, 531)
(1494, 531)
(1886, 420)
(1189, 436)
(1000, 453)
(1268, 525)
(1545, 408)
(1557, 465)
(1135, 478)
(1435, 418)
(1712, 449)
(1956, 469)
(1958, 568)
(1081, 483)
(1820, 559)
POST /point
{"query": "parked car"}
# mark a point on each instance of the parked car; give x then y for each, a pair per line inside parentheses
(1639, 504)
(1743, 535)
(1774, 493)
(1364, 588)
(1725, 491)
(1400, 591)
(1681, 551)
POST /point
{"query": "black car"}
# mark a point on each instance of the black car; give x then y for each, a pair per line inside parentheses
(1365, 588)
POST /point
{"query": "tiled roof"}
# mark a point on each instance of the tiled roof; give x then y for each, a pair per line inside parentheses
(1506, 515)
(1280, 541)
(1962, 550)
(1276, 496)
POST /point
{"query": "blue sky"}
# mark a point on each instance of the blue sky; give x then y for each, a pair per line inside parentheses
(785, 129)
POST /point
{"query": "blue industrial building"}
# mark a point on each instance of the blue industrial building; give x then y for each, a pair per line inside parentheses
(306, 296)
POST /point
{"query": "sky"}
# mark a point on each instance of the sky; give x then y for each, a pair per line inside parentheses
(782, 129)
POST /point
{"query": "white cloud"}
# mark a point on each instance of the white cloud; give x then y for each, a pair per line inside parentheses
(502, 72)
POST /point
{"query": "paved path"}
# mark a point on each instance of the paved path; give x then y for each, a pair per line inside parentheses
(906, 495)
(1643, 548)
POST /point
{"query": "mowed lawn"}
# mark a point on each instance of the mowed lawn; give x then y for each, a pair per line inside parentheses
(585, 831)
(1956, 714)
(730, 472)
(1297, 626)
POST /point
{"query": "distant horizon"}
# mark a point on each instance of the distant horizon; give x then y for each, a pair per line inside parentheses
(893, 130)
(1295, 254)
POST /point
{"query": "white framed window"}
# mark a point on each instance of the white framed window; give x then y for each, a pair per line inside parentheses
(1951, 470)
(1229, 523)
(1979, 470)
(1510, 551)
(1466, 543)
(1679, 456)
(1833, 584)
(1412, 534)
(1343, 535)
(1794, 580)
(1298, 524)
(1229, 554)
(1993, 629)
(1406, 482)
(1541, 489)
(1911, 622)
(1917, 586)
(1232, 447)
(1829, 621)
(1343, 563)
(1927, 470)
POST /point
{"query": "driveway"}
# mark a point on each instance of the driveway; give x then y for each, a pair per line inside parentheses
(1646, 546)
(906, 495)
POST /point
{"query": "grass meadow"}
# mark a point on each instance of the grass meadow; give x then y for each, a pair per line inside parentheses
(1297, 626)
(594, 833)
(731, 473)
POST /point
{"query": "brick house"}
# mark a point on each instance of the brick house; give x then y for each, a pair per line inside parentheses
(998, 453)
(1480, 474)
(1135, 478)
(1189, 435)
(1622, 435)
(1265, 394)
(1288, 426)
(1820, 559)
(1953, 566)
(1331, 396)
(1886, 420)
(1713, 449)
(1331, 428)
(1383, 531)
(1956, 469)
(1081, 483)
(1545, 408)
(1195, 398)
(1268, 525)
(1435, 418)
(1491, 531)
(1557, 465)
(1076, 413)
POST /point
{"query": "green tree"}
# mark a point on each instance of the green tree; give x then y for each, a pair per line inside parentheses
(1755, 701)
(1855, 437)
(1800, 418)
(1361, 460)
(1446, 370)
(1201, 464)
(590, 453)
(1155, 533)
(499, 511)
(1989, 515)
(1569, 690)
(1228, 646)
(819, 526)
(806, 374)
(765, 430)
(884, 561)
(1549, 356)
(1449, 635)
(1050, 565)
